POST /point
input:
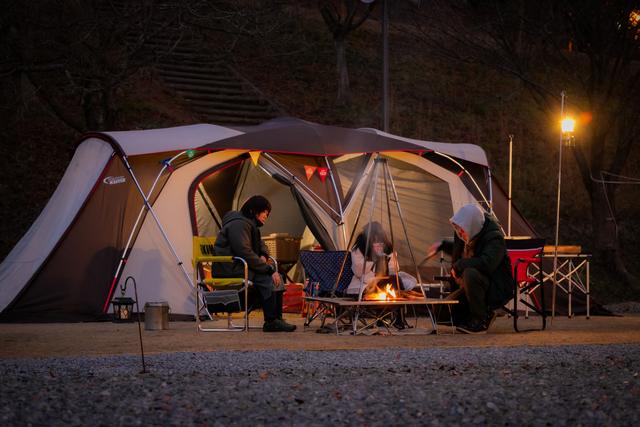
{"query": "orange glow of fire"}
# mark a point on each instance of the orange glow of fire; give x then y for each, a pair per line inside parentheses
(382, 295)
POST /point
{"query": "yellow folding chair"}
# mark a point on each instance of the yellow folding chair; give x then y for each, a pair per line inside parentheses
(218, 293)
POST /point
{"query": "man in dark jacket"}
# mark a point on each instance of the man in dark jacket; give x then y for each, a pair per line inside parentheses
(240, 236)
(480, 265)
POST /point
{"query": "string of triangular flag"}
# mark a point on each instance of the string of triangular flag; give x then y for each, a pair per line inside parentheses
(309, 170)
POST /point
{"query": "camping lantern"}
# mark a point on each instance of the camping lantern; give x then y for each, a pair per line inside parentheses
(122, 306)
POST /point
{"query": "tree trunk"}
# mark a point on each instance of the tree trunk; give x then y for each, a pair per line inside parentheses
(343, 72)
(94, 114)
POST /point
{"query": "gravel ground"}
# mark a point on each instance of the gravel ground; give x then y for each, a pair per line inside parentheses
(562, 385)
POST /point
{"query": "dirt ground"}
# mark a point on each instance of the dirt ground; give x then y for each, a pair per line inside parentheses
(105, 338)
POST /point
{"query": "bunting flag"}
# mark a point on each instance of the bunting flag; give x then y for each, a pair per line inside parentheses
(255, 155)
(309, 170)
(322, 173)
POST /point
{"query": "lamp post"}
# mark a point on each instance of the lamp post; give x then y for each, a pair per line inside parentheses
(566, 138)
(384, 24)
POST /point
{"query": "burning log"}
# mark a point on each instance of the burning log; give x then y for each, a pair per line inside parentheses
(387, 292)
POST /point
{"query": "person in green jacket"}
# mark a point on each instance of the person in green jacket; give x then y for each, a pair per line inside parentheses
(480, 265)
(240, 236)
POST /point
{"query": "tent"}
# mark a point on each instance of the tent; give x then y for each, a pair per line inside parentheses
(130, 202)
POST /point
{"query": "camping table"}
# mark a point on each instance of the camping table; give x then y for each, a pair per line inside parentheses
(573, 271)
(375, 310)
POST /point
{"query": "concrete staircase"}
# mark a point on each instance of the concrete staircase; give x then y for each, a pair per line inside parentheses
(214, 91)
(210, 88)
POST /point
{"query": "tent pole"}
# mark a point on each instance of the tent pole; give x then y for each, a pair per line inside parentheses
(406, 235)
(123, 257)
(490, 190)
(374, 179)
(347, 248)
(319, 199)
(464, 170)
(402, 221)
(338, 198)
(353, 231)
(387, 183)
(157, 220)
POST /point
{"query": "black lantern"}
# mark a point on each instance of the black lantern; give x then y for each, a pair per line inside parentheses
(122, 306)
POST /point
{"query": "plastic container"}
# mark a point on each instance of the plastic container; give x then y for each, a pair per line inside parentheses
(156, 316)
(293, 298)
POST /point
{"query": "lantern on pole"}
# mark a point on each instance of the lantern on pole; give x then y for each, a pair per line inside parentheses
(567, 138)
(122, 306)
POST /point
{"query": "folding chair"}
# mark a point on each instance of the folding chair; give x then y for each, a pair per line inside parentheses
(327, 273)
(217, 294)
(526, 253)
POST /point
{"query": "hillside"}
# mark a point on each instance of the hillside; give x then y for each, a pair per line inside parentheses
(294, 67)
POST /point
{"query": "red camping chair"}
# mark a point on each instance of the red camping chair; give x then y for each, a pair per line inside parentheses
(525, 253)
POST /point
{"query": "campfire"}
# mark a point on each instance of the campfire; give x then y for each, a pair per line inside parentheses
(387, 292)
(378, 294)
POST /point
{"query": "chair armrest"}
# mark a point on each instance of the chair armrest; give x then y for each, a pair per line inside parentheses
(215, 258)
(275, 263)
(223, 281)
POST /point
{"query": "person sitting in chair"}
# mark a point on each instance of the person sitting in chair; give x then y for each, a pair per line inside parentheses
(381, 261)
(240, 236)
(480, 265)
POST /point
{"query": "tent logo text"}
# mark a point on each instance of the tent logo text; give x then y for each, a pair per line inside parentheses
(113, 180)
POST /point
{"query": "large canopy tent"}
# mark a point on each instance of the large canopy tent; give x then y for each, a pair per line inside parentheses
(130, 202)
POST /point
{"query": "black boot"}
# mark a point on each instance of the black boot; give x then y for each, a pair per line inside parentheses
(278, 325)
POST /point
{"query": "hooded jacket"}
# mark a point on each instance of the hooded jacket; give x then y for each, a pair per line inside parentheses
(240, 236)
(487, 253)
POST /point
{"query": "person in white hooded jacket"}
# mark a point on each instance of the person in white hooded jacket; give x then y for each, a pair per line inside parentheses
(480, 265)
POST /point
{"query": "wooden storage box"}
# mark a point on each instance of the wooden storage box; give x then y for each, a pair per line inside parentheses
(282, 247)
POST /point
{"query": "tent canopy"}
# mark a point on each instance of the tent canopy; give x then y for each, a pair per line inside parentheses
(96, 231)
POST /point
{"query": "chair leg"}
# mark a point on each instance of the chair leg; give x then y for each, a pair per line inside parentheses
(516, 299)
(543, 310)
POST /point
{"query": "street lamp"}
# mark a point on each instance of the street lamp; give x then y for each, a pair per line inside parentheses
(568, 125)
(385, 61)
(567, 138)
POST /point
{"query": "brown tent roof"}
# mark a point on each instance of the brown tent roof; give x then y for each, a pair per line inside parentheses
(295, 136)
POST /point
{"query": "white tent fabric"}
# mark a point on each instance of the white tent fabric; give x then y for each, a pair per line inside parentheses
(470, 152)
(205, 218)
(32, 250)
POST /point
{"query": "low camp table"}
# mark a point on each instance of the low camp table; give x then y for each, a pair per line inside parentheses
(366, 314)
